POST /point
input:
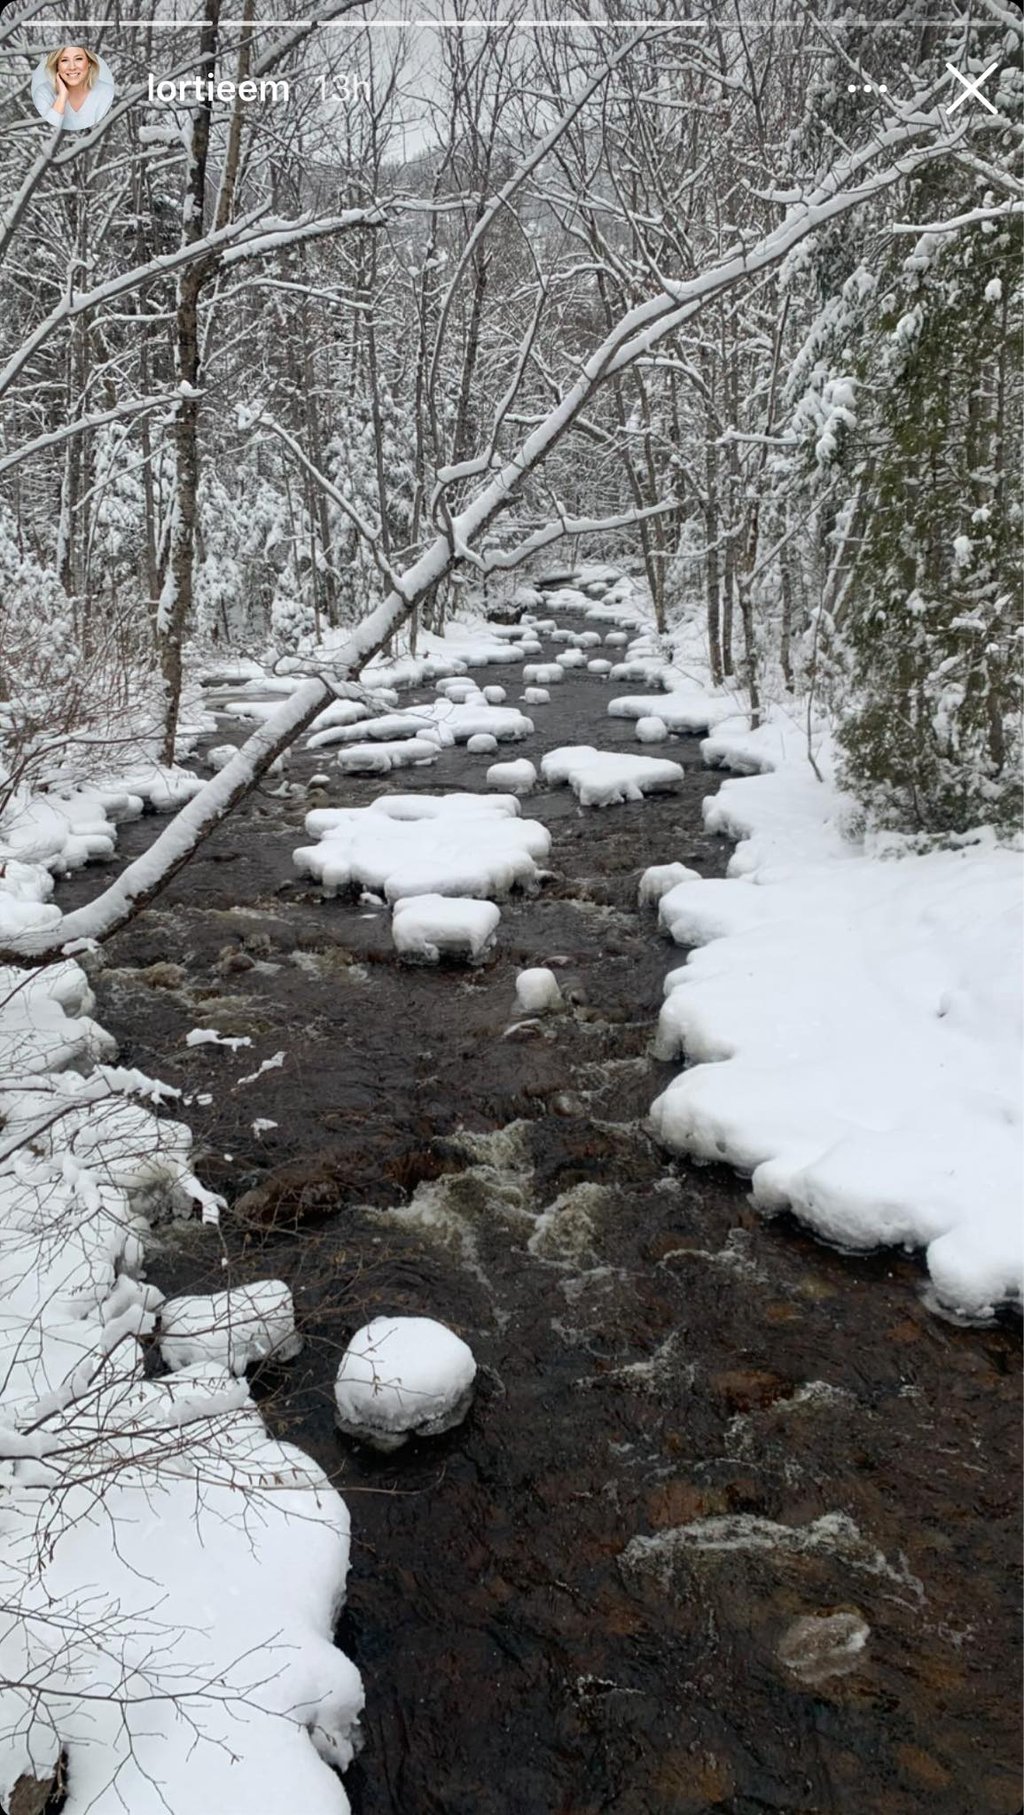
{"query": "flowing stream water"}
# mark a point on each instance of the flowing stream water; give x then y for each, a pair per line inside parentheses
(693, 1428)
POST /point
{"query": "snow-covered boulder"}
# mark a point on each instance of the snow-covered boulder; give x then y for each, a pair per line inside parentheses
(660, 878)
(424, 926)
(599, 667)
(475, 718)
(403, 1377)
(536, 696)
(380, 759)
(651, 730)
(683, 709)
(557, 765)
(388, 727)
(425, 844)
(602, 778)
(234, 1329)
(340, 712)
(495, 696)
(481, 744)
(518, 777)
(537, 991)
(219, 757)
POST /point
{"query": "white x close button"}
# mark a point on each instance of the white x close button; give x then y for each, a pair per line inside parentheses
(971, 86)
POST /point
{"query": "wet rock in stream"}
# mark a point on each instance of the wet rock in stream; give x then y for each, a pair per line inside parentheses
(793, 1432)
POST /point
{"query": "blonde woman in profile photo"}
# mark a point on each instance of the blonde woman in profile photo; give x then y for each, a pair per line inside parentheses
(73, 88)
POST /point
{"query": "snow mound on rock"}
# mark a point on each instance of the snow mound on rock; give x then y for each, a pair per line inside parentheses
(651, 730)
(603, 778)
(475, 718)
(682, 710)
(380, 759)
(234, 1329)
(519, 777)
(424, 926)
(456, 844)
(403, 1377)
(537, 991)
(657, 881)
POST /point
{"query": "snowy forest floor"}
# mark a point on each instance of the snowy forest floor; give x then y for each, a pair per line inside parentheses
(693, 1426)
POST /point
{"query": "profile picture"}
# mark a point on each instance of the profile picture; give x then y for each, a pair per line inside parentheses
(72, 88)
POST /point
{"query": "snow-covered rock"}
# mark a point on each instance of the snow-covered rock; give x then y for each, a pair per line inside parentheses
(338, 713)
(495, 696)
(537, 990)
(424, 926)
(481, 744)
(475, 718)
(219, 757)
(660, 879)
(380, 759)
(234, 1329)
(518, 777)
(536, 696)
(385, 727)
(424, 844)
(652, 730)
(680, 709)
(403, 1377)
(602, 778)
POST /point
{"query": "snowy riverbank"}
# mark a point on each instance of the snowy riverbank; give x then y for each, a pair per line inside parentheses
(170, 1574)
(851, 1017)
(853, 1033)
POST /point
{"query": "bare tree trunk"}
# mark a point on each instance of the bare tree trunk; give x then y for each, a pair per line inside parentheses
(786, 627)
(176, 602)
(712, 530)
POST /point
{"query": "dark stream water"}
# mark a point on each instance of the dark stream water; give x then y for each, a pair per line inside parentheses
(660, 1358)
